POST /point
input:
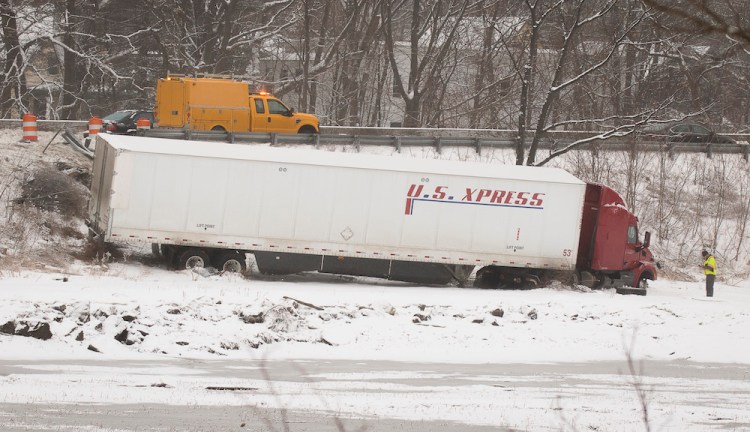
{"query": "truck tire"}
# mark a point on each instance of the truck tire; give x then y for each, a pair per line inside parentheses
(218, 129)
(231, 261)
(191, 258)
(307, 129)
(487, 277)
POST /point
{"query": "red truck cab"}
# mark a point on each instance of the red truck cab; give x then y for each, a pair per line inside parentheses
(610, 252)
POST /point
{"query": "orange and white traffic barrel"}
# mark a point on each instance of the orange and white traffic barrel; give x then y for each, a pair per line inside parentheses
(95, 126)
(142, 125)
(29, 128)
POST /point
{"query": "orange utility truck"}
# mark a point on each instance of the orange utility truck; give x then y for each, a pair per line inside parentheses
(221, 104)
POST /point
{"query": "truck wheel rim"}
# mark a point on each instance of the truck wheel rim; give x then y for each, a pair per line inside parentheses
(194, 261)
(233, 266)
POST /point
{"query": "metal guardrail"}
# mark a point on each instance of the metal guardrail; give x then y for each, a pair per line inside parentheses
(398, 138)
(47, 125)
(439, 141)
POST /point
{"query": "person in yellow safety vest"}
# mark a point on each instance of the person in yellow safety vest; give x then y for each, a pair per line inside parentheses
(709, 268)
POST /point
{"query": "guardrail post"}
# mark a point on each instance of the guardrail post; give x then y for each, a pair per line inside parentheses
(709, 150)
(231, 137)
(356, 143)
(274, 139)
(397, 140)
(316, 140)
(478, 146)
(439, 145)
(745, 152)
(188, 134)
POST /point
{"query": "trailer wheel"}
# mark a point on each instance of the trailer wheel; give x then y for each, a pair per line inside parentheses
(233, 262)
(487, 277)
(192, 258)
(531, 281)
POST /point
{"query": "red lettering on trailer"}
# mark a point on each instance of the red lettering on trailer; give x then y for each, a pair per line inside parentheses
(439, 192)
(469, 194)
(536, 199)
(521, 198)
(475, 196)
(483, 193)
(414, 192)
(497, 197)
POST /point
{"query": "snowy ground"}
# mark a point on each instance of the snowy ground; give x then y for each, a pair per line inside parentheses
(132, 335)
(132, 312)
(158, 312)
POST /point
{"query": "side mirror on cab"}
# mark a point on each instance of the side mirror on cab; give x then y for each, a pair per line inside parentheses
(647, 239)
(289, 112)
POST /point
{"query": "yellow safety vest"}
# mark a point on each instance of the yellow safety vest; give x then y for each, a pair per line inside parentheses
(711, 262)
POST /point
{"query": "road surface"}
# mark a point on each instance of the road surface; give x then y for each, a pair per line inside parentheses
(314, 395)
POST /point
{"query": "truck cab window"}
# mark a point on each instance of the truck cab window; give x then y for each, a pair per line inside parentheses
(276, 107)
(632, 234)
(259, 108)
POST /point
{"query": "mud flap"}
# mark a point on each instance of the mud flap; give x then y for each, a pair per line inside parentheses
(631, 291)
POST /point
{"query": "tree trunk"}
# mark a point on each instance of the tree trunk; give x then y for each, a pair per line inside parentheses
(323, 32)
(526, 84)
(412, 112)
(70, 66)
(12, 71)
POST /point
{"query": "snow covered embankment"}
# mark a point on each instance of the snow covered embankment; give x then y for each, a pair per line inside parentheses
(141, 312)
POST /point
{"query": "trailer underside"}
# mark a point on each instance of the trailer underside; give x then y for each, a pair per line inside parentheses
(282, 263)
(491, 277)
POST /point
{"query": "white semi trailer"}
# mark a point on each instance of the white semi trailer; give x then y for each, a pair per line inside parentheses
(419, 220)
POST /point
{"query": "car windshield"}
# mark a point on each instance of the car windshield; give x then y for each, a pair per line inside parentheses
(118, 116)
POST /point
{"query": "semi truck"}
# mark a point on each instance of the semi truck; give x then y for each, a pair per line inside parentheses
(415, 220)
(222, 104)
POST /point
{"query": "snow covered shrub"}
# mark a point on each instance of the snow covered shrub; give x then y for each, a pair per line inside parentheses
(41, 209)
(51, 190)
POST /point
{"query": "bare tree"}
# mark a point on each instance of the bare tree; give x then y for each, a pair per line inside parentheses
(569, 26)
(353, 58)
(722, 17)
(432, 25)
(13, 79)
